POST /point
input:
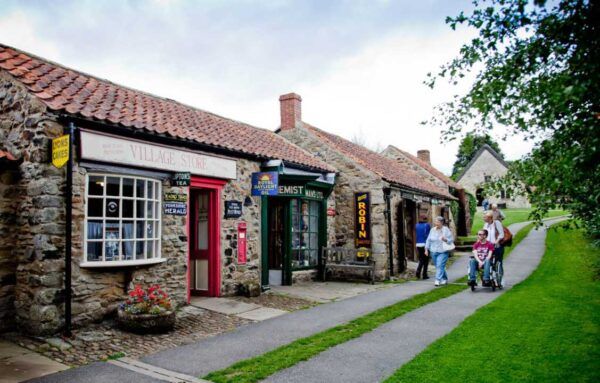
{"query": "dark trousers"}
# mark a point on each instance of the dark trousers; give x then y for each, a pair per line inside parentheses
(423, 262)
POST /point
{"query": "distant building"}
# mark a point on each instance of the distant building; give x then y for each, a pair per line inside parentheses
(486, 166)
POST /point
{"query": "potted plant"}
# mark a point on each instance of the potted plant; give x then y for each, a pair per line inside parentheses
(146, 311)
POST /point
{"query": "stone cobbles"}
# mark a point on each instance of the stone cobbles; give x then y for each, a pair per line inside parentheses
(278, 301)
(105, 341)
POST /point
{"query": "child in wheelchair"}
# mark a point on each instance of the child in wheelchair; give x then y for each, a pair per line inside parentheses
(482, 260)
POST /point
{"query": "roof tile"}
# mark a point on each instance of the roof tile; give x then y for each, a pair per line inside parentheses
(63, 89)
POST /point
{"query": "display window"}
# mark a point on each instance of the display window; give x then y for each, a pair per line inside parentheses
(122, 220)
(305, 233)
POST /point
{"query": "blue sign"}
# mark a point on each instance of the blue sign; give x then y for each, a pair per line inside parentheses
(265, 183)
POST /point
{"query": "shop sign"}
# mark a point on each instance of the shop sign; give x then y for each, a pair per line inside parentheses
(175, 197)
(175, 208)
(60, 151)
(233, 209)
(331, 212)
(299, 191)
(362, 232)
(99, 147)
(265, 183)
(181, 179)
(409, 196)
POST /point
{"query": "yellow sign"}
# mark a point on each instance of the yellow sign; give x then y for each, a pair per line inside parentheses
(60, 151)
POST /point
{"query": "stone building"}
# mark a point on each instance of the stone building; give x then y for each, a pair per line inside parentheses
(486, 166)
(391, 191)
(421, 163)
(161, 194)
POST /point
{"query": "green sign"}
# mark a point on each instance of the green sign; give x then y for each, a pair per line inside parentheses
(299, 191)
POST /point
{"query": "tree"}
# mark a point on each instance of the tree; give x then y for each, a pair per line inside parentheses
(469, 145)
(535, 68)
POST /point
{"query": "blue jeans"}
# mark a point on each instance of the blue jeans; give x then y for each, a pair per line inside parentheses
(474, 266)
(439, 260)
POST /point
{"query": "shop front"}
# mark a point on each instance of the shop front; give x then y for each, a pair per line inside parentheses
(294, 222)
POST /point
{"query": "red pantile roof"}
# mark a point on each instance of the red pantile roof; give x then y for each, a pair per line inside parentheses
(388, 169)
(72, 92)
(436, 173)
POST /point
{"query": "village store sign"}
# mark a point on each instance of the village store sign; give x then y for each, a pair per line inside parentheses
(103, 148)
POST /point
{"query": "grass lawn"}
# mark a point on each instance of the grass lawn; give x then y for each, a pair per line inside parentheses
(259, 367)
(545, 329)
(512, 216)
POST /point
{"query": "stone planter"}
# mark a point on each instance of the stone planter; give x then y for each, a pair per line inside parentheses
(146, 323)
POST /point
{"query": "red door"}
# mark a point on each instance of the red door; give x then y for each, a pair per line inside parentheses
(204, 234)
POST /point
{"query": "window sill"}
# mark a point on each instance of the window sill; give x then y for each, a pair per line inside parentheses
(142, 262)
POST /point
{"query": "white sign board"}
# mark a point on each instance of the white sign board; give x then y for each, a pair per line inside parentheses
(121, 151)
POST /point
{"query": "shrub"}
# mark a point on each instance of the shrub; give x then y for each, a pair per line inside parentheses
(151, 301)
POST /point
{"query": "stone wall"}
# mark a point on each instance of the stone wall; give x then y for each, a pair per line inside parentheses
(233, 273)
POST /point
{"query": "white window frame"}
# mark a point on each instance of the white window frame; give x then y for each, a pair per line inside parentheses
(156, 220)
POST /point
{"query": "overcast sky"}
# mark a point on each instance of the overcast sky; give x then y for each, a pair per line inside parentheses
(358, 65)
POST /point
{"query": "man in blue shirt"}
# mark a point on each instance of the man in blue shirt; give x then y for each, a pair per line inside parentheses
(422, 229)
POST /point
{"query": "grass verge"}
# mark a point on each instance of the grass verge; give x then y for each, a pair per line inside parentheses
(262, 366)
(512, 216)
(545, 329)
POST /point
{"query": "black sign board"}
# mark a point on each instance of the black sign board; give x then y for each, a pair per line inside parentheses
(362, 232)
(174, 197)
(181, 179)
(175, 208)
(233, 209)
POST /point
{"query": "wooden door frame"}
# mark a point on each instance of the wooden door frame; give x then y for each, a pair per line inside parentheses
(214, 186)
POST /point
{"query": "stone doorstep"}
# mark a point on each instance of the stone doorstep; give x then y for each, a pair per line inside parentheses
(223, 305)
(18, 364)
(262, 313)
(155, 372)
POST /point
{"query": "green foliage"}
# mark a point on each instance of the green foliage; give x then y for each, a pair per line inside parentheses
(454, 209)
(472, 207)
(536, 73)
(469, 145)
(545, 329)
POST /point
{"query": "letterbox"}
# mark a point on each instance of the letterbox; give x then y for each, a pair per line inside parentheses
(241, 243)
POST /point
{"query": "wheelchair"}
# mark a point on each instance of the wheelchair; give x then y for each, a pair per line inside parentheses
(496, 273)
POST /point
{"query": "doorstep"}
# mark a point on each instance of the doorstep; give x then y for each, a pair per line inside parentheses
(244, 310)
(18, 364)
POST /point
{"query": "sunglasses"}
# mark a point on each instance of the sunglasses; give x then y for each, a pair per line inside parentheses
(483, 234)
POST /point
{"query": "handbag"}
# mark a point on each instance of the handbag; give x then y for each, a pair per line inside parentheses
(448, 246)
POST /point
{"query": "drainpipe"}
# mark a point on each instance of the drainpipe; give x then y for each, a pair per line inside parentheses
(68, 228)
(388, 216)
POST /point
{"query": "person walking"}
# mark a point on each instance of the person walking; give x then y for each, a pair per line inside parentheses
(485, 204)
(495, 236)
(422, 229)
(434, 245)
(498, 214)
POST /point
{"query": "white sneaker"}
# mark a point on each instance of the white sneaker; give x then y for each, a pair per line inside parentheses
(444, 282)
(437, 283)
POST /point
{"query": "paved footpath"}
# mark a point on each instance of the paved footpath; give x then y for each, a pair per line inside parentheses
(377, 354)
(210, 354)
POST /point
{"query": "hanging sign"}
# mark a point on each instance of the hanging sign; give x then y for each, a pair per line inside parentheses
(60, 151)
(181, 179)
(175, 208)
(265, 183)
(362, 232)
(175, 197)
(233, 209)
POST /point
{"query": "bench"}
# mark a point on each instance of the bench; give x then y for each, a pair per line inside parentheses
(338, 258)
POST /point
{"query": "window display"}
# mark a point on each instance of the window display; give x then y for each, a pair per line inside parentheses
(305, 230)
(123, 219)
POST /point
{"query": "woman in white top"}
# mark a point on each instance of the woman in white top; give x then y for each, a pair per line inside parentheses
(433, 245)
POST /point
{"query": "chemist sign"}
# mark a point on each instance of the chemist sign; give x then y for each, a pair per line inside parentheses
(60, 151)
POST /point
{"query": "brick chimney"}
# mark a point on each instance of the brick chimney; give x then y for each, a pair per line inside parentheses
(291, 110)
(423, 155)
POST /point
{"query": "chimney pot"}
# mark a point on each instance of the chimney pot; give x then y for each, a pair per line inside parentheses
(291, 110)
(424, 155)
